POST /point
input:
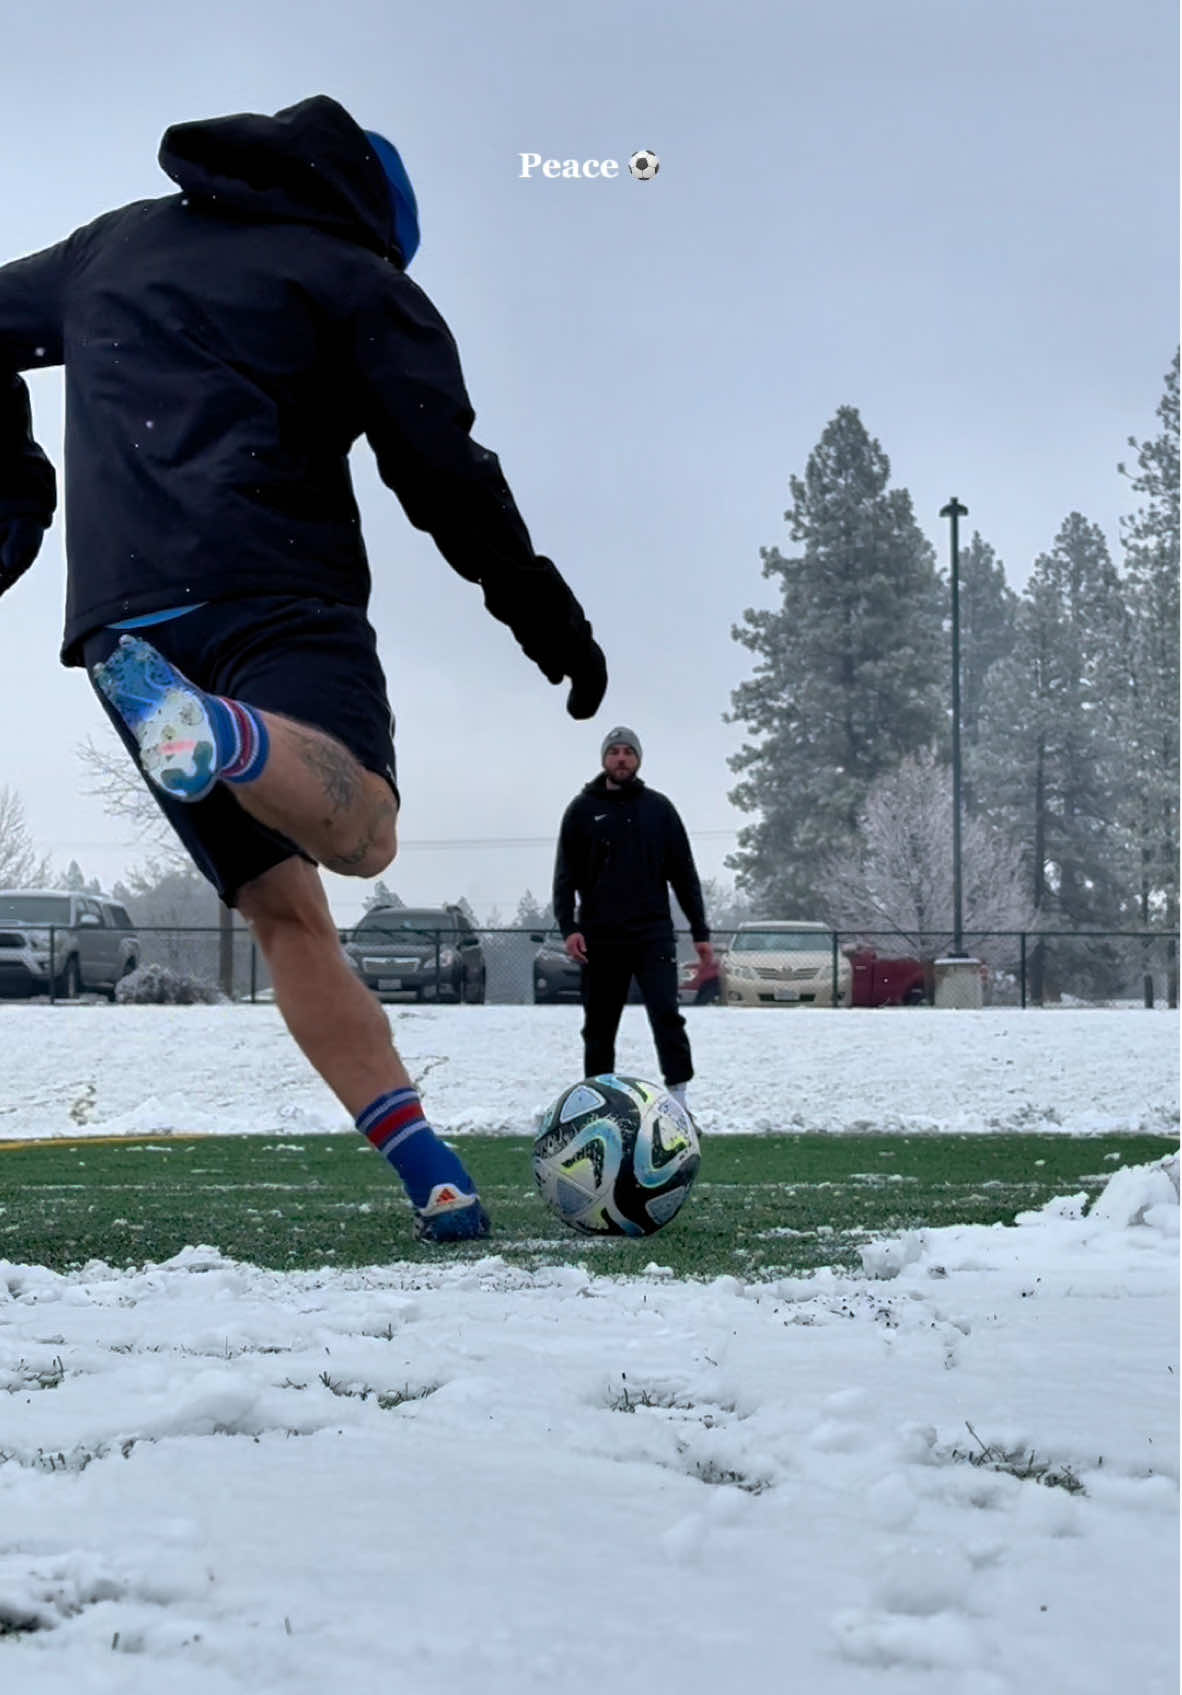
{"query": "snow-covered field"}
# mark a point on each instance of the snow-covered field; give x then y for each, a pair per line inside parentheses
(113, 1070)
(227, 1481)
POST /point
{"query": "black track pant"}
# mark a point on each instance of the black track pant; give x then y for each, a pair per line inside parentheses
(607, 974)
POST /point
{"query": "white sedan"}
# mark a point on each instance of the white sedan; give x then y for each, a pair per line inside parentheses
(784, 962)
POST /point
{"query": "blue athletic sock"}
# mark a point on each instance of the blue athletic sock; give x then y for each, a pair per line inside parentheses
(395, 1126)
(242, 741)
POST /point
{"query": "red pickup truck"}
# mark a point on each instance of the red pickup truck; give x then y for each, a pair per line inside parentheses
(877, 981)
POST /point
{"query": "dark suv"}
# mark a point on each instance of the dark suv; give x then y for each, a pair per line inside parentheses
(421, 952)
(66, 939)
(558, 977)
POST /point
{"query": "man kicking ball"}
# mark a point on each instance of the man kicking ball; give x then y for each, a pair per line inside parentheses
(224, 348)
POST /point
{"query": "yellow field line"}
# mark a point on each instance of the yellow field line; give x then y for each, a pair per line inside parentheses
(91, 1141)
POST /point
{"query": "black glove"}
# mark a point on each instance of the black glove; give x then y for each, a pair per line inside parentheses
(551, 629)
(588, 682)
(20, 543)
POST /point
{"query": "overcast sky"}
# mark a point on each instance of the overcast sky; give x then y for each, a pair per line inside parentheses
(959, 216)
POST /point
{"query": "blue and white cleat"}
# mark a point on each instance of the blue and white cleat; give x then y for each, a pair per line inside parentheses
(168, 716)
(450, 1215)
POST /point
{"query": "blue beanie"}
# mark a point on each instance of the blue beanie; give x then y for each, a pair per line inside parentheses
(402, 195)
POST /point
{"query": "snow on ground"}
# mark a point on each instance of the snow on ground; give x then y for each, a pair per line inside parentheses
(954, 1474)
(112, 1070)
(229, 1481)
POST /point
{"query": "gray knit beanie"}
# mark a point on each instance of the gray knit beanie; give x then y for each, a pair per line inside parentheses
(622, 734)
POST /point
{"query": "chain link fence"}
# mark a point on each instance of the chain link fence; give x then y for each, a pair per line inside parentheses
(1032, 968)
(1018, 968)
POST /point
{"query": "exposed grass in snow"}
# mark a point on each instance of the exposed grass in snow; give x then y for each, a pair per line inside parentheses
(1019, 1462)
(763, 1205)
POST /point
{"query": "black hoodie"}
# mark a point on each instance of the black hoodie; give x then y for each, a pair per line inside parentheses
(224, 347)
(619, 852)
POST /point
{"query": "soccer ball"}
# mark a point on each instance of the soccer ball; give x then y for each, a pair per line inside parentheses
(615, 1156)
(644, 165)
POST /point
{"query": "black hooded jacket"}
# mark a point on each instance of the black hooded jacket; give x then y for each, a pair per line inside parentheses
(224, 347)
(619, 853)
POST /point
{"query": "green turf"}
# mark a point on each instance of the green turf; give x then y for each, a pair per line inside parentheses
(763, 1205)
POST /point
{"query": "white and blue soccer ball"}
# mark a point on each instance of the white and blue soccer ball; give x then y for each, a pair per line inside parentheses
(615, 1156)
(644, 165)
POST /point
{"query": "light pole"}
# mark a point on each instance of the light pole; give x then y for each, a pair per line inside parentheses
(954, 511)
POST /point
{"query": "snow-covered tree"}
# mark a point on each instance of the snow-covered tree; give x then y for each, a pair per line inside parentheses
(112, 777)
(109, 774)
(382, 895)
(896, 879)
(851, 675)
(179, 917)
(20, 865)
(726, 907)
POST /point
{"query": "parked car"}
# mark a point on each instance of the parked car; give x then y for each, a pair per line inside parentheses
(879, 981)
(80, 942)
(420, 952)
(783, 962)
(698, 984)
(558, 977)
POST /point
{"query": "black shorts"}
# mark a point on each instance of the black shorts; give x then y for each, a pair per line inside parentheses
(312, 660)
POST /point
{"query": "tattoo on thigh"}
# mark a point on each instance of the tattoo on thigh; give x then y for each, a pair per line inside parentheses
(336, 768)
(383, 811)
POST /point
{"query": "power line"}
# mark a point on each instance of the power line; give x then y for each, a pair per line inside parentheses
(433, 845)
(521, 841)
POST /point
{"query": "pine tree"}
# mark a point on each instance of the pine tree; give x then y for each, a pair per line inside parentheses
(1151, 553)
(851, 675)
(987, 610)
(75, 880)
(1048, 763)
(532, 915)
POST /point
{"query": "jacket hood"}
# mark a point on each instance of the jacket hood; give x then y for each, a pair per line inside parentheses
(402, 195)
(310, 164)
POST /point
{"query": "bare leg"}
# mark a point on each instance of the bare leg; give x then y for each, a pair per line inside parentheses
(345, 1034)
(339, 1025)
(315, 792)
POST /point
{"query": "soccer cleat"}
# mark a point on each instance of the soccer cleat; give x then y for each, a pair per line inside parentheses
(168, 716)
(451, 1215)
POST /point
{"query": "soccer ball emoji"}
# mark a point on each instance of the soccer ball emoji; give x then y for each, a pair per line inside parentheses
(644, 165)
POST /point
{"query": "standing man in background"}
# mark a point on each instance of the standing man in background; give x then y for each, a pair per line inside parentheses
(621, 848)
